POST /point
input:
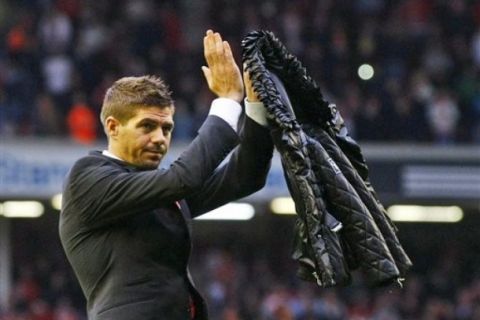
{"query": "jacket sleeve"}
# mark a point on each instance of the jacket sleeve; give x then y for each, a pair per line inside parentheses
(244, 173)
(102, 192)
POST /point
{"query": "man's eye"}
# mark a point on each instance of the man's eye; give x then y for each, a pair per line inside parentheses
(148, 126)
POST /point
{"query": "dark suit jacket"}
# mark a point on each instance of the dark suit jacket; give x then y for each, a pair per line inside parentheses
(126, 232)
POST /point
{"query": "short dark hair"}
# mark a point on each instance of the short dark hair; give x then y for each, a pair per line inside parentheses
(129, 94)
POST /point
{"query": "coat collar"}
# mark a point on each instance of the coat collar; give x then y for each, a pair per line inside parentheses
(111, 158)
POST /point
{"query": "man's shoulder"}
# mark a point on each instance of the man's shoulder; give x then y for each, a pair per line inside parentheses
(94, 158)
(94, 163)
(87, 170)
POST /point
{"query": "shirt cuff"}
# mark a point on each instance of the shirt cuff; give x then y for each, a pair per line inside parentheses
(227, 109)
(257, 112)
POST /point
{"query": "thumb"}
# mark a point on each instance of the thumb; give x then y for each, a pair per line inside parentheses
(208, 74)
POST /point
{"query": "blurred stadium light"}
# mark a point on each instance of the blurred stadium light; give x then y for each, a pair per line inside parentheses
(366, 71)
(56, 201)
(21, 209)
(400, 213)
(410, 213)
(282, 205)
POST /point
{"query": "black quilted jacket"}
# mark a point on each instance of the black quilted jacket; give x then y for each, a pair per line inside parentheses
(341, 224)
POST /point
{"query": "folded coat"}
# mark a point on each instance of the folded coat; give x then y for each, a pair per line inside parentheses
(341, 224)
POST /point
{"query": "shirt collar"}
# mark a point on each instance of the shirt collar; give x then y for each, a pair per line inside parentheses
(111, 155)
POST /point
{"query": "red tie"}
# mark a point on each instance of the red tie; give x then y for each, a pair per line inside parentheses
(192, 309)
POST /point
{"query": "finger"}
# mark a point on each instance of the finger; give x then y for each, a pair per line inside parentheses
(251, 95)
(246, 76)
(230, 54)
(246, 80)
(219, 53)
(228, 51)
(230, 59)
(218, 56)
(209, 47)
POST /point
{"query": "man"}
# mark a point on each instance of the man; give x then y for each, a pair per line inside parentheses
(124, 224)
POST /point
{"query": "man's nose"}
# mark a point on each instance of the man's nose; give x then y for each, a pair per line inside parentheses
(158, 136)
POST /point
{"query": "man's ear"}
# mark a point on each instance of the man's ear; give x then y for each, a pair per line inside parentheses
(112, 126)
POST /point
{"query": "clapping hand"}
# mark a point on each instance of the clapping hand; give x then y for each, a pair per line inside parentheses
(222, 74)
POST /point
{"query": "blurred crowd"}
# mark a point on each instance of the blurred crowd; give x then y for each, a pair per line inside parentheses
(240, 288)
(261, 287)
(57, 57)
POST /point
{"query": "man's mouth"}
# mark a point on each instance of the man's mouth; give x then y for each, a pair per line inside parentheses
(157, 153)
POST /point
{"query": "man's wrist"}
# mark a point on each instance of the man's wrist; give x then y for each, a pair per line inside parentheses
(235, 97)
(227, 109)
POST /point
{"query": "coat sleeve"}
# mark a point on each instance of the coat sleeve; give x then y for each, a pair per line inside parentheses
(102, 192)
(243, 174)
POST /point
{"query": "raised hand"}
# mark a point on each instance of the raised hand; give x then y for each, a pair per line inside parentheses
(251, 95)
(222, 74)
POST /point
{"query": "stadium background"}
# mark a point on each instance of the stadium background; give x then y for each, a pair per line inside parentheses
(417, 119)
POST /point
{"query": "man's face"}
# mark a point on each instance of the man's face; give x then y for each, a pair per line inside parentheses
(145, 138)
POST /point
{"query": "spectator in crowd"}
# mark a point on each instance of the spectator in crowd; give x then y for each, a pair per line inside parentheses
(47, 121)
(58, 47)
(55, 31)
(442, 116)
(82, 122)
